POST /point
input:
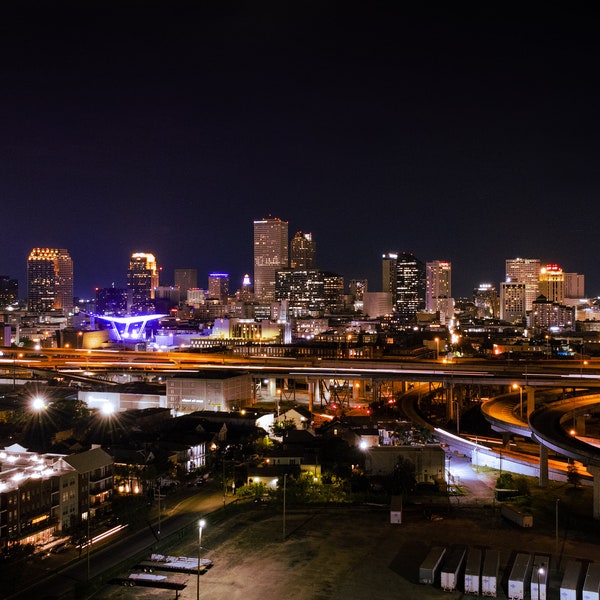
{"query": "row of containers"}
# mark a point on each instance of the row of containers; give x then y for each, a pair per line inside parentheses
(475, 571)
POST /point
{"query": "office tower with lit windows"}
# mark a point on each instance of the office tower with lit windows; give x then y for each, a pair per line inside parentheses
(185, 279)
(218, 286)
(303, 251)
(142, 281)
(527, 271)
(388, 274)
(513, 302)
(9, 291)
(410, 288)
(552, 283)
(486, 301)
(310, 293)
(438, 275)
(270, 256)
(50, 280)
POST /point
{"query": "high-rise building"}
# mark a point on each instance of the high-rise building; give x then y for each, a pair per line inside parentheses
(410, 288)
(303, 252)
(9, 291)
(270, 256)
(485, 298)
(310, 293)
(438, 283)
(218, 286)
(513, 301)
(388, 274)
(50, 280)
(552, 283)
(185, 279)
(574, 285)
(527, 271)
(142, 280)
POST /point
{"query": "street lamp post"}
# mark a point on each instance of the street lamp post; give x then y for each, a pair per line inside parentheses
(520, 388)
(201, 525)
(556, 528)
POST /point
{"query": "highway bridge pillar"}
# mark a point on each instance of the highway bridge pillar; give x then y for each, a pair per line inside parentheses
(543, 479)
(272, 387)
(580, 424)
(311, 394)
(595, 471)
(530, 400)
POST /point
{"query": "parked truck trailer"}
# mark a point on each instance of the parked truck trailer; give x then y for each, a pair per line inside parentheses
(517, 515)
(430, 566)
(452, 567)
(591, 585)
(571, 581)
(473, 571)
(520, 574)
(539, 576)
(489, 573)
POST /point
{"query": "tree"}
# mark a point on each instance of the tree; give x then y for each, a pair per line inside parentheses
(573, 476)
(404, 479)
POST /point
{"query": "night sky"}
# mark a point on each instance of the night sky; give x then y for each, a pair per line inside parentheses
(168, 128)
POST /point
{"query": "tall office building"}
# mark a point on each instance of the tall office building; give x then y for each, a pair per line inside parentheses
(185, 279)
(303, 251)
(552, 283)
(50, 280)
(574, 285)
(218, 286)
(9, 291)
(142, 281)
(527, 271)
(270, 256)
(485, 298)
(388, 274)
(438, 283)
(513, 302)
(410, 288)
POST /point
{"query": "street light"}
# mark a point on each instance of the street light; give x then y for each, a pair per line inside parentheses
(201, 525)
(517, 386)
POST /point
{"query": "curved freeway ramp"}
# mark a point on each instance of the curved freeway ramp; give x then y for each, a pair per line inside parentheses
(546, 427)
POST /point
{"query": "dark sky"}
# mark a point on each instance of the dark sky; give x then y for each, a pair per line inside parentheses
(170, 126)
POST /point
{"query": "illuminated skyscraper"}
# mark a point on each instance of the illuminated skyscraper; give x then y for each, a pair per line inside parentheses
(552, 283)
(50, 280)
(439, 284)
(410, 288)
(527, 271)
(513, 301)
(388, 272)
(142, 280)
(218, 286)
(270, 256)
(303, 251)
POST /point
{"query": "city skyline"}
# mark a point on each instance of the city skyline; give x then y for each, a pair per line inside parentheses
(170, 128)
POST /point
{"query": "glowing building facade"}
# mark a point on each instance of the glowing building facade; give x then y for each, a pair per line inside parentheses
(438, 292)
(410, 288)
(270, 256)
(142, 281)
(50, 280)
(303, 251)
(526, 271)
(218, 286)
(552, 283)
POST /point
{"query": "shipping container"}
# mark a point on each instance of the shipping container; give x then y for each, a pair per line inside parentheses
(517, 515)
(430, 566)
(489, 573)
(591, 585)
(452, 567)
(539, 576)
(473, 571)
(571, 581)
(518, 580)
